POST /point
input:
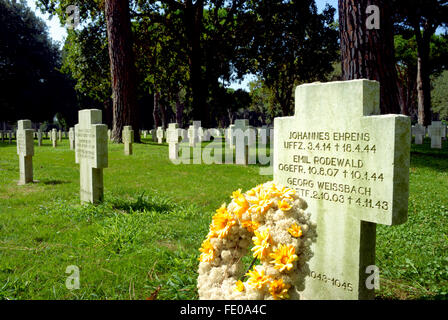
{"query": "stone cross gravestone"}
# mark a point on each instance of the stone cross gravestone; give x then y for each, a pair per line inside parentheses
(193, 133)
(419, 132)
(25, 150)
(71, 136)
(240, 136)
(153, 135)
(91, 154)
(351, 165)
(128, 139)
(204, 134)
(172, 137)
(436, 131)
(39, 138)
(10, 136)
(228, 133)
(60, 135)
(159, 134)
(54, 138)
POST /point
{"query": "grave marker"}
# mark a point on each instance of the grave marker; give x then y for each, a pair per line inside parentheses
(91, 154)
(159, 134)
(128, 139)
(172, 137)
(242, 136)
(25, 150)
(193, 133)
(351, 166)
(54, 138)
(71, 136)
(436, 131)
(419, 132)
(39, 138)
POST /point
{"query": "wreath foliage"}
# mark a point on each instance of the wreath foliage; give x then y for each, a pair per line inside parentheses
(271, 219)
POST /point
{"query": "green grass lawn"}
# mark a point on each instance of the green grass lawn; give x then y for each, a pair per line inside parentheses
(155, 215)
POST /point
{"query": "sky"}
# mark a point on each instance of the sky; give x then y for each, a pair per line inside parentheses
(58, 32)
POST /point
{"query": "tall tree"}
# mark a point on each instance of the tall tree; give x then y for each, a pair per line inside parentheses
(122, 68)
(290, 43)
(367, 47)
(423, 17)
(31, 85)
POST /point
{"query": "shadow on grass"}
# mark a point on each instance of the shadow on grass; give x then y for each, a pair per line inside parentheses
(53, 182)
(143, 204)
(424, 156)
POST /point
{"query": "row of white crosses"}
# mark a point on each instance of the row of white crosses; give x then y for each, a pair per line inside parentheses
(436, 131)
(340, 144)
(240, 137)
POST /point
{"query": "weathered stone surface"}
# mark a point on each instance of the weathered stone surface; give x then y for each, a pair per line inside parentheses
(351, 165)
(437, 131)
(91, 154)
(128, 139)
(419, 132)
(71, 136)
(172, 137)
(160, 134)
(39, 138)
(193, 133)
(25, 150)
(242, 136)
(54, 138)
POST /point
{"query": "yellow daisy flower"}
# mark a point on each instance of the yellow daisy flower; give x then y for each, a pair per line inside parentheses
(250, 225)
(284, 205)
(287, 193)
(252, 192)
(274, 191)
(279, 290)
(295, 230)
(284, 257)
(208, 253)
(263, 243)
(257, 279)
(261, 206)
(241, 203)
(222, 221)
(239, 286)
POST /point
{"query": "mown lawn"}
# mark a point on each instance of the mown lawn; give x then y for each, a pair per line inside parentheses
(155, 215)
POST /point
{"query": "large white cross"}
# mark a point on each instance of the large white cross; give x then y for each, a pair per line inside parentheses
(351, 165)
(91, 154)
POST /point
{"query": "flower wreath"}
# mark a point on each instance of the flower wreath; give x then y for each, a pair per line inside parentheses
(270, 216)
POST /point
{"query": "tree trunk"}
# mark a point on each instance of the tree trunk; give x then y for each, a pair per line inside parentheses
(179, 111)
(123, 72)
(193, 26)
(423, 79)
(368, 53)
(155, 112)
(163, 116)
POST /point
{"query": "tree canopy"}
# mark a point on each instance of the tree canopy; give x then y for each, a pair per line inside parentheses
(32, 86)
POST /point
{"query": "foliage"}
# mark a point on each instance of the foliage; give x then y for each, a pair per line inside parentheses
(32, 86)
(293, 44)
(406, 56)
(440, 95)
(187, 52)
